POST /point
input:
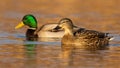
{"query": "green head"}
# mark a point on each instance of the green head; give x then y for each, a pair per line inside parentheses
(28, 20)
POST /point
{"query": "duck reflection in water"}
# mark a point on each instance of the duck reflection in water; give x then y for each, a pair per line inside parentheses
(30, 52)
(71, 55)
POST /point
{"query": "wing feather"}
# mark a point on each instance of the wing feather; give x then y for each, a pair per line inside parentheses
(90, 34)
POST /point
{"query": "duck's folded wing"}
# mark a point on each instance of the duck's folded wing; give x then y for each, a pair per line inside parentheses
(90, 34)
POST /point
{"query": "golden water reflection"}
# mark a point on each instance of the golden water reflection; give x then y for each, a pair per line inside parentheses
(40, 55)
(77, 57)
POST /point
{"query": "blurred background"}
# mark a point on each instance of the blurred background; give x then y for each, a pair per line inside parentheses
(102, 15)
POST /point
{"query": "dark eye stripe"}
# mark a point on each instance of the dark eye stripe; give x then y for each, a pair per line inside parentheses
(67, 21)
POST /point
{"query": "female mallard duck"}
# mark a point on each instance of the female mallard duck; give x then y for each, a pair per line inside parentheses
(81, 37)
(43, 31)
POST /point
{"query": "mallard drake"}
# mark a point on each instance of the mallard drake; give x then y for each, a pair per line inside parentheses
(82, 37)
(43, 31)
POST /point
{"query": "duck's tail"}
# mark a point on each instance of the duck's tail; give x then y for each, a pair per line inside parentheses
(110, 38)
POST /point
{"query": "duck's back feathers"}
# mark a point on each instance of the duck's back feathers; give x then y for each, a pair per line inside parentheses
(46, 31)
(90, 34)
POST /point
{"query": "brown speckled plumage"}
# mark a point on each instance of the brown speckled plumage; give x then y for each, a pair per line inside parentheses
(82, 38)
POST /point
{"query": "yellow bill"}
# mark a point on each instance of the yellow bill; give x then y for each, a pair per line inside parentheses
(21, 24)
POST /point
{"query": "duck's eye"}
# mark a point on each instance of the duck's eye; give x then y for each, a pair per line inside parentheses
(63, 22)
